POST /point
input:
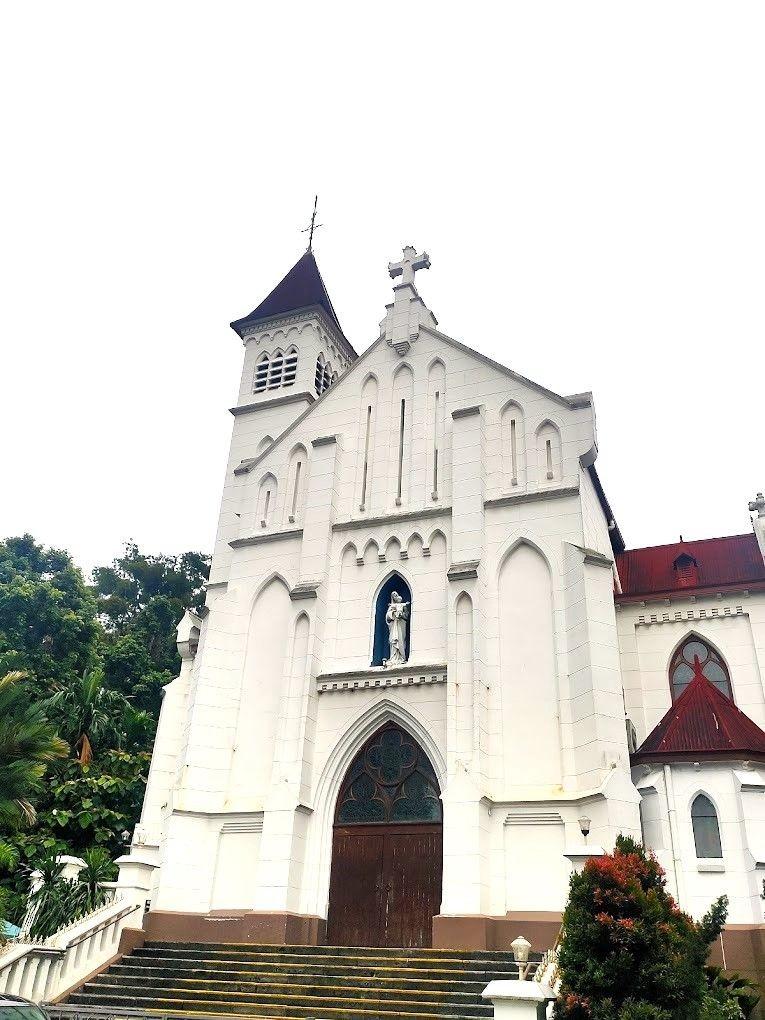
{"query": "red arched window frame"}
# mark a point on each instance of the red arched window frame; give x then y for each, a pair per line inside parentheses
(695, 657)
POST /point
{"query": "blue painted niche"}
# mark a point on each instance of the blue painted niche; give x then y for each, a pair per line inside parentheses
(381, 647)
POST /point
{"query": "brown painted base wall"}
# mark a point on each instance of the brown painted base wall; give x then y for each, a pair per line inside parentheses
(741, 948)
(249, 926)
(479, 931)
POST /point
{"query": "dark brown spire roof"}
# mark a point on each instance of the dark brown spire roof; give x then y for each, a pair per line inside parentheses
(302, 287)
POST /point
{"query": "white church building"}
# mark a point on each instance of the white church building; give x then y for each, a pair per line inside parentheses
(429, 679)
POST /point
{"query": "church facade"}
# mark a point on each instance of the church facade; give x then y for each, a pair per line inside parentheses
(429, 679)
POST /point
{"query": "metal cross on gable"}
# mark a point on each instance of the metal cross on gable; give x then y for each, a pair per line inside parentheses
(409, 265)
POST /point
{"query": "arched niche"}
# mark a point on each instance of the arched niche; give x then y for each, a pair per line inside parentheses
(528, 665)
(297, 477)
(549, 455)
(267, 500)
(366, 443)
(380, 643)
(513, 445)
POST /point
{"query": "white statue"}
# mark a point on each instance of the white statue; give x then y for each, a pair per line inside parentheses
(396, 617)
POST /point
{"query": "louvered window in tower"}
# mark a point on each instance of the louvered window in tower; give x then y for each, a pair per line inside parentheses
(324, 375)
(687, 571)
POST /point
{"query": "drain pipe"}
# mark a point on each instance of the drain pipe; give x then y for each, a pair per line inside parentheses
(674, 836)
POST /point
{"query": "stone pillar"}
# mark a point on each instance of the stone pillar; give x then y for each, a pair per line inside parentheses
(519, 1000)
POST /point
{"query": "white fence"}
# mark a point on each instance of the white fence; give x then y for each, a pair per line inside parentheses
(41, 971)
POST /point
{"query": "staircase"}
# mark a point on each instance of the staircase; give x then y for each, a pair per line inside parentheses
(328, 982)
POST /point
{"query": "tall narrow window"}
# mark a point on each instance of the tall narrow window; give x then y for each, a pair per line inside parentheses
(696, 658)
(548, 454)
(261, 373)
(290, 366)
(401, 451)
(266, 505)
(365, 474)
(295, 491)
(276, 371)
(513, 453)
(706, 828)
(435, 445)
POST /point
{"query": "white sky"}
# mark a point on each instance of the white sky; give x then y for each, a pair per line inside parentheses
(588, 179)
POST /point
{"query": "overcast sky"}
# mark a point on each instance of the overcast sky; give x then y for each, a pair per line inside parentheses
(588, 179)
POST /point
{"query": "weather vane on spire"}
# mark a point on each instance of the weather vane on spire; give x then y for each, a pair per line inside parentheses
(313, 225)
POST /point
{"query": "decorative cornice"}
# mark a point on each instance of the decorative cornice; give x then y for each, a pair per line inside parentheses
(361, 523)
(380, 677)
(532, 497)
(258, 405)
(323, 441)
(300, 315)
(467, 412)
(691, 615)
(463, 571)
(305, 590)
(272, 536)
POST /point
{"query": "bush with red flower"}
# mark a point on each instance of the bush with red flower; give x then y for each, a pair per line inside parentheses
(628, 951)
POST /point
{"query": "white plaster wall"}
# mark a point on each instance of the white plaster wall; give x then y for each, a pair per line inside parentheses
(567, 687)
(738, 795)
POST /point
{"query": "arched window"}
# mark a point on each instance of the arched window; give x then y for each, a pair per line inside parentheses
(261, 372)
(706, 828)
(390, 780)
(324, 377)
(695, 657)
(275, 370)
(381, 648)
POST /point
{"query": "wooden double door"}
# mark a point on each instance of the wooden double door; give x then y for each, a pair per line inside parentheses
(385, 885)
(385, 882)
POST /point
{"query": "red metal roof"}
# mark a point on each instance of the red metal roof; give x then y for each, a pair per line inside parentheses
(702, 723)
(721, 562)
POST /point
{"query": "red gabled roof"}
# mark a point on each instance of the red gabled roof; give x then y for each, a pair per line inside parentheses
(702, 723)
(720, 562)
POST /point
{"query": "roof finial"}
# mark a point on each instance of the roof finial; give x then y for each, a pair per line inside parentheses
(409, 265)
(758, 505)
(313, 225)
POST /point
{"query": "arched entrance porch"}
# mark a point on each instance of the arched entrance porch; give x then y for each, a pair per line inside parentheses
(385, 880)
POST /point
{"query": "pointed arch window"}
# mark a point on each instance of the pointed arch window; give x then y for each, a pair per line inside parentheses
(389, 781)
(275, 370)
(695, 657)
(706, 828)
(324, 375)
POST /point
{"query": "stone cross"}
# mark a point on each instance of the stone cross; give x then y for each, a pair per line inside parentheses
(758, 505)
(409, 265)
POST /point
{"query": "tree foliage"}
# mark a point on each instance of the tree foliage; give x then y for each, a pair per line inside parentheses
(628, 951)
(97, 658)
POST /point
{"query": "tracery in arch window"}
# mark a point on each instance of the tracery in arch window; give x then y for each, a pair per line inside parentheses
(706, 828)
(275, 370)
(324, 375)
(695, 657)
(389, 781)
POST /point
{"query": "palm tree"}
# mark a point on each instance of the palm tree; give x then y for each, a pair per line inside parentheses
(28, 743)
(89, 712)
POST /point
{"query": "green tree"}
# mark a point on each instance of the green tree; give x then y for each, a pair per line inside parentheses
(48, 625)
(28, 745)
(141, 599)
(87, 713)
(628, 952)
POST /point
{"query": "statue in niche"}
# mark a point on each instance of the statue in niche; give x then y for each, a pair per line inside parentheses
(396, 616)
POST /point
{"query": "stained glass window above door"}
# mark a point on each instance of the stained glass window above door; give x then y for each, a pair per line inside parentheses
(693, 657)
(389, 781)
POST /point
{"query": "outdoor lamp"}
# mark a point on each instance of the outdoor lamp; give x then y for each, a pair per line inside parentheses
(520, 948)
(584, 826)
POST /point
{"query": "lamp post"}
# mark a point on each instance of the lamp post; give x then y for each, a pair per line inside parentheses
(521, 948)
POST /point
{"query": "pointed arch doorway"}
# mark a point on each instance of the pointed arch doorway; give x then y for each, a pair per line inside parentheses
(387, 846)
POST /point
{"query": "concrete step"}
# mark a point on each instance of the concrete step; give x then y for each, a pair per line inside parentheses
(285, 950)
(370, 1009)
(124, 974)
(360, 969)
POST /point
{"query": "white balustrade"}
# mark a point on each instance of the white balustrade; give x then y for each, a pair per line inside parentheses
(42, 971)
